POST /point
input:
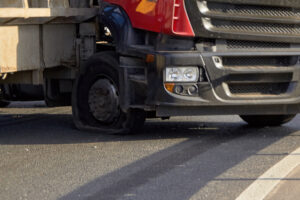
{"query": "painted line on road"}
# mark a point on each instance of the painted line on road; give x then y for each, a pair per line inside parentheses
(265, 184)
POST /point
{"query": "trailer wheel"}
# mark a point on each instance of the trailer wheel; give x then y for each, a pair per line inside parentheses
(267, 120)
(96, 100)
(3, 103)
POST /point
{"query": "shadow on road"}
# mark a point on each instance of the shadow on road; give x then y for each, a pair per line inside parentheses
(35, 129)
(178, 172)
(184, 167)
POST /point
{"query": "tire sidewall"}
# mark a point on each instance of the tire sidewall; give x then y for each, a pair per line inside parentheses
(102, 65)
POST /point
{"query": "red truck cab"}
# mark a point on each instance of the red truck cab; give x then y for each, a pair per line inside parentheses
(193, 57)
(162, 16)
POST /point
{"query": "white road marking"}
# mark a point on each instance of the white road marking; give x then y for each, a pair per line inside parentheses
(262, 186)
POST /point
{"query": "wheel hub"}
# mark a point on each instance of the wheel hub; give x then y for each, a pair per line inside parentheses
(104, 101)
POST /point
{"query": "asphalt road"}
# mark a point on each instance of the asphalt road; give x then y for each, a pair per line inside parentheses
(44, 157)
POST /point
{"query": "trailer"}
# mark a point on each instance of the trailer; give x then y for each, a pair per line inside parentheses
(120, 62)
(40, 41)
(39, 34)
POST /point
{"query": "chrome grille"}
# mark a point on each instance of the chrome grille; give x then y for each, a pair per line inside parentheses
(255, 46)
(250, 10)
(254, 27)
(246, 19)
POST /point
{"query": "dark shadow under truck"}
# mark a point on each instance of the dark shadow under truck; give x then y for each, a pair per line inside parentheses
(119, 62)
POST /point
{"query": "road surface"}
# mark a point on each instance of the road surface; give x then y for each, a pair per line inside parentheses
(210, 157)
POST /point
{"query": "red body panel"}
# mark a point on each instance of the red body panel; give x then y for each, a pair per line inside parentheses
(162, 16)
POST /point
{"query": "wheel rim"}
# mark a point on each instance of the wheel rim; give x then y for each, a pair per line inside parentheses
(103, 101)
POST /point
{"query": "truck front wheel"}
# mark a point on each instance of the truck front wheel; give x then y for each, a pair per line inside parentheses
(96, 99)
(267, 120)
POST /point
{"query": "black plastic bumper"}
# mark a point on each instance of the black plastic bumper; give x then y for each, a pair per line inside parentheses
(214, 96)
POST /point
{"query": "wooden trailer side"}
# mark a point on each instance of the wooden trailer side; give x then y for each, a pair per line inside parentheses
(38, 34)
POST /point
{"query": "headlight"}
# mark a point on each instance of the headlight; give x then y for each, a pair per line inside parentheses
(182, 74)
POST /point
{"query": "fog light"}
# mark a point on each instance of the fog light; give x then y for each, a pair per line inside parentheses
(178, 89)
(193, 90)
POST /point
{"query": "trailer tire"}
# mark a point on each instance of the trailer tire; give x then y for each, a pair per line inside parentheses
(3, 103)
(267, 120)
(96, 100)
(58, 102)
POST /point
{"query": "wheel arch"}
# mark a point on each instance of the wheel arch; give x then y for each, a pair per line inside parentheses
(85, 77)
(118, 22)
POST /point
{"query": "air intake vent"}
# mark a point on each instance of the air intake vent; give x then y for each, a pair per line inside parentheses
(260, 61)
(259, 88)
(238, 44)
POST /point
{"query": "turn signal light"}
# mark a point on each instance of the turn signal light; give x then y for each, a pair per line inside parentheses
(170, 87)
(150, 58)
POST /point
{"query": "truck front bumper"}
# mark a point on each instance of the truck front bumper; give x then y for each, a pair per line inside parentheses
(238, 82)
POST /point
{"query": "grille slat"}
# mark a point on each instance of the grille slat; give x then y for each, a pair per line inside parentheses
(254, 27)
(251, 10)
(250, 19)
(238, 44)
(259, 89)
(263, 83)
(263, 61)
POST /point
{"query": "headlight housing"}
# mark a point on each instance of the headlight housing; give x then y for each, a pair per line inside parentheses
(182, 74)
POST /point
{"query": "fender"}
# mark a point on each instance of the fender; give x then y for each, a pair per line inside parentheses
(118, 22)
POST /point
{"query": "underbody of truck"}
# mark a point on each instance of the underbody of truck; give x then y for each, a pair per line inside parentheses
(208, 57)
